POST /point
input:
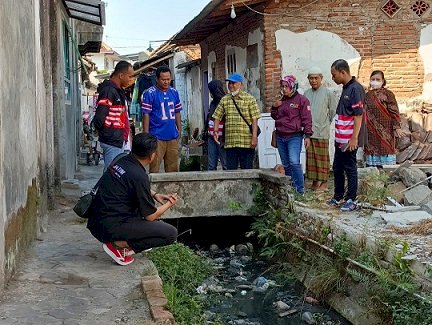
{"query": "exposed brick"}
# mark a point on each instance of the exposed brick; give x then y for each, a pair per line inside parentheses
(160, 314)
(383, 43)
(151, 283)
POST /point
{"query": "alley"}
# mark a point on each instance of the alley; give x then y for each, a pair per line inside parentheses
(66, 277)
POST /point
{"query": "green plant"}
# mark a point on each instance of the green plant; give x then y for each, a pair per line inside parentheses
(374, 190)
(261, 204)
(234, 205)
(324, 233)
(182, 271)
(325, 276)
(400, 263)
(190, 163)
(367, 258)
(343, 246)
(186, 127)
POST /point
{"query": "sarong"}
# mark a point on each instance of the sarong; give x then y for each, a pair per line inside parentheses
(318, 160)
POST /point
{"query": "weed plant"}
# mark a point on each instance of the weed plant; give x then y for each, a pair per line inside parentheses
(394, 294)
(374, 190)
(182, 271)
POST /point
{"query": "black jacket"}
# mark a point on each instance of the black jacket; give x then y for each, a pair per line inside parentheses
(123, 194)
(111, 118)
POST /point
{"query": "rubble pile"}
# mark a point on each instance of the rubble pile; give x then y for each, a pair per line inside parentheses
(416, 145)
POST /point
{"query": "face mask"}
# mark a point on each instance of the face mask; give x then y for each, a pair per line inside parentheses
(235, 93)
(376, 84)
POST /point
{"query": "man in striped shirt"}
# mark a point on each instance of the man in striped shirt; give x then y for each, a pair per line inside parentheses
(111, 118)
(161, 109)
(348, 137)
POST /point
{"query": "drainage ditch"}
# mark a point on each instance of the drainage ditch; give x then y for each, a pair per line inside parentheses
(244, 289)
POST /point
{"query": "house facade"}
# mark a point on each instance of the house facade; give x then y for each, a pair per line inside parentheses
(40, 113)
(271, 38)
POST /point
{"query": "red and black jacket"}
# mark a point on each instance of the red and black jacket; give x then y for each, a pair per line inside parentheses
(111, 119)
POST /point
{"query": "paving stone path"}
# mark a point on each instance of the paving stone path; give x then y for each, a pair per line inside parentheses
(67, 278)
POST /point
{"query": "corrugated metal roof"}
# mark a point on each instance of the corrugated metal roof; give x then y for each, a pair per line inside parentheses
(91, 11)
(211, 19)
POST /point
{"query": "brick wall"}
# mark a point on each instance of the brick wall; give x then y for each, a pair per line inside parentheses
(388, 44)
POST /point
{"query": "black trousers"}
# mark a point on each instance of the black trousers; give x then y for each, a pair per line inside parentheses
(140, 234)
(345, 163)
(242, 156)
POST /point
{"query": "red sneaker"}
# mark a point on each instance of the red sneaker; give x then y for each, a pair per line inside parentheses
(118, 255)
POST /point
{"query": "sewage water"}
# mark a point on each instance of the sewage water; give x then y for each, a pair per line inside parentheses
(243, 291)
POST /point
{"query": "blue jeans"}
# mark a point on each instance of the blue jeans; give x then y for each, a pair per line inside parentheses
(109, 153)
(289, 151)
(244, 156)
(215, 153)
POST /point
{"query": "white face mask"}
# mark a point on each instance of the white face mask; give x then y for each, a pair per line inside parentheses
(235, 93)
(375, 84)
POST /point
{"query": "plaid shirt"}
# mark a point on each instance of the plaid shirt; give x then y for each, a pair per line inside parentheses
(237, 133)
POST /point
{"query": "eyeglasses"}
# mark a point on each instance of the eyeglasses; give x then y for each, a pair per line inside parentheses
(231, 82)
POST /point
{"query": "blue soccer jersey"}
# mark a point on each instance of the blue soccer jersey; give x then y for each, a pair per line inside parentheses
(161, 108)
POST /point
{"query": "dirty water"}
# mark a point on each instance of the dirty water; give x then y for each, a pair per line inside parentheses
(242, 292)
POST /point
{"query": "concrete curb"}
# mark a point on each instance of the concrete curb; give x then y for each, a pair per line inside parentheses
(152, 289)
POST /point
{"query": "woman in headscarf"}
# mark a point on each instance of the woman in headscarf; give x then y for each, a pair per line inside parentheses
(383, 122)
(293, 121)
(216, 152)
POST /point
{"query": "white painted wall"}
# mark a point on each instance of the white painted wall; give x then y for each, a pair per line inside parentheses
(211, 60)
(425, 51)
(300, 51)
(254, 75)
(98, 59)
(180, 79)
(194, 98)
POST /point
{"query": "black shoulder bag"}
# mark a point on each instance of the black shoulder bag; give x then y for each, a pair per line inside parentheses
(249, 125)
(82, 207)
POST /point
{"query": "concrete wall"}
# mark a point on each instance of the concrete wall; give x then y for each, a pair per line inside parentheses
(224, 193)
(26, 139)
(39, 126)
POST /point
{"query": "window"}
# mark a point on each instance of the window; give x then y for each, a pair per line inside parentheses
(390, 8)
(420, 8)
(67, 62)
(231, 61)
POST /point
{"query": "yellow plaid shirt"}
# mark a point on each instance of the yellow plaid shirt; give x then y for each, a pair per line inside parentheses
(237, 133)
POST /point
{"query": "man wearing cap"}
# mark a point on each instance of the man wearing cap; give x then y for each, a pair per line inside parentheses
(240, 140)
(323, 107)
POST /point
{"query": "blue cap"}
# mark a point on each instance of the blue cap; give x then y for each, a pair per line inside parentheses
(234, 77)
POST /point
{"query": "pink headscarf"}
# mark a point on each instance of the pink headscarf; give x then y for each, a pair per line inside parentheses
(292, 83)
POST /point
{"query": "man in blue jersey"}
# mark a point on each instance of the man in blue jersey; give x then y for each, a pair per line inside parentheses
(161, 109)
